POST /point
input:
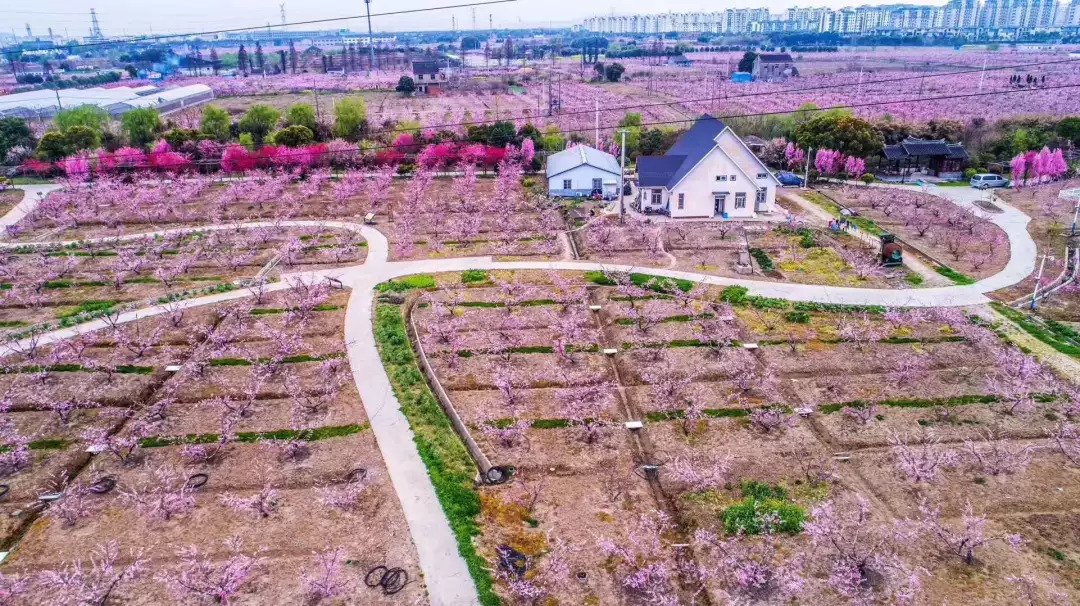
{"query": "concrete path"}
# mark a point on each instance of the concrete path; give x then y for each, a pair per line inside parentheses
(32, 196)
(445, 571)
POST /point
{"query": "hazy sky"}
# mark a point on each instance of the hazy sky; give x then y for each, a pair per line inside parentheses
(142, 16)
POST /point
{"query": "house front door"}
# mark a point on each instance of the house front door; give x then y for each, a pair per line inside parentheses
(718, 204)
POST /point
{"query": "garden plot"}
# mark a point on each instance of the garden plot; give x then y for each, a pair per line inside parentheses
(787, 252)
(836, 414)
(63, 285)
(965, 241)
(260, 437)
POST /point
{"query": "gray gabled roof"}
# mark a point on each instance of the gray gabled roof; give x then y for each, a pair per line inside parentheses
(691, 147)
(574, 157)
(657, 171)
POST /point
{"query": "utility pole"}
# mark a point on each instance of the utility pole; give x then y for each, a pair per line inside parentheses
(315, 89)
(370, 39)
(622, 173)
(597, 122)
(59, 106)
(1076, 211)
(1038, 280)
(982, 75)
(806, 170)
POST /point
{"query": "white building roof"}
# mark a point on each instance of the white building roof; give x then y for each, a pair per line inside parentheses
(582, 154)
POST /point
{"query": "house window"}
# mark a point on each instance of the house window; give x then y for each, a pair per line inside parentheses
(763, 175)
(759, 197)
(721, 177)
(598, 184)
(733, 177)
(567, 184)
(682, 200)
(740, 201)
(657, 197)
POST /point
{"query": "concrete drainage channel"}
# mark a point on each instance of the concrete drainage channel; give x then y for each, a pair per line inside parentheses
(489, 473)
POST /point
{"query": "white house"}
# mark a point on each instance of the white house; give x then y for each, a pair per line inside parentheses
(708, 173)
(581, 170)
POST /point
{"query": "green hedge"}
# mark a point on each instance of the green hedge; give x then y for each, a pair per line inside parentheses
(449, 465)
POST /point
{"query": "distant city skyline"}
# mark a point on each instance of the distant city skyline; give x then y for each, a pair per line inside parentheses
(71, 18)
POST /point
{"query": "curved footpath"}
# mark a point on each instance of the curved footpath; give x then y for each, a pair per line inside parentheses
(445, 571)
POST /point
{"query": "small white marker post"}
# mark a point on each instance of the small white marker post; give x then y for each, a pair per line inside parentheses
(610, 352)
(750, 345)
(594, 308)
(173, 368)
(634, 425)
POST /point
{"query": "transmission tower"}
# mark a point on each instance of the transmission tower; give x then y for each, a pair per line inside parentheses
(283, 14)
(95, 27)
(29, 34)
(474, 18)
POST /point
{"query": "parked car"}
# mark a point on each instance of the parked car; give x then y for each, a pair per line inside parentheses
(789, 179)
(985, 181)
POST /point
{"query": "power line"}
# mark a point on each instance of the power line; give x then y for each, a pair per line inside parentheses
(268, 26)
(684, 120)
(742, 95)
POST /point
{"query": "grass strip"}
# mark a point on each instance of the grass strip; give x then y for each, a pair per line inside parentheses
(1055, 339)
(911, 403)
(955, 276)
(301, 359)
(421, 281)
(653, 283)
(248, 437)
(449, 465)
(268, 311)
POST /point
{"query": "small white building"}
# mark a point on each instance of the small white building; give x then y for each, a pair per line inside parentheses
(708, 173)
(582, 170)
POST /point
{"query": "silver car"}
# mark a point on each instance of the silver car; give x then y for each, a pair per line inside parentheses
(986, 181)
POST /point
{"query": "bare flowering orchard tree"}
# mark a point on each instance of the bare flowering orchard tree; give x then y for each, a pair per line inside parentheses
(588, 407)
(749, 569)
(204, 579)
(98, 582)
(963, 539)
(996, 455)
(349, 495)
(165, 496)
(923, 461)
(642, 562)
(861, 554)
(699, 474)
(1015, 379)
(326, 580)
(263, 504)
(73, 504)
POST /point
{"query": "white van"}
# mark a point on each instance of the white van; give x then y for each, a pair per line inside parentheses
(985, 181)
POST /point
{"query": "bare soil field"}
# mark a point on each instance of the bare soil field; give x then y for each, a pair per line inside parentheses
(259, 438)
(64, 285)
(811, 412)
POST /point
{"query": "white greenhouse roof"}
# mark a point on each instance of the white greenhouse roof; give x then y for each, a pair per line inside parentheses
(44, 102)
